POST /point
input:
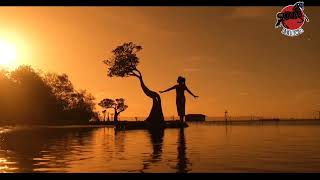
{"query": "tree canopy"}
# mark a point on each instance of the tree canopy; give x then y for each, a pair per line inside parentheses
(107, 103)
(32, 97)
(117, 104)
(124, 60)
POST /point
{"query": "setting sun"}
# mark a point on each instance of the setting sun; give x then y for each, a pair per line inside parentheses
(193, 89)
(8, 54)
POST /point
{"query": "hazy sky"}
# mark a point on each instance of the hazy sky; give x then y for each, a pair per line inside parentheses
(232, 57)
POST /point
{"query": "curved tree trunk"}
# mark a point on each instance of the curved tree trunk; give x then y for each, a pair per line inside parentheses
(155, 117)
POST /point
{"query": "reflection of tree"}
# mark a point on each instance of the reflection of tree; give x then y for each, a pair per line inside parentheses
(183, 162)
(226, 130)
(119, 140)
(157, 140)
(44, 148)
(156, 137)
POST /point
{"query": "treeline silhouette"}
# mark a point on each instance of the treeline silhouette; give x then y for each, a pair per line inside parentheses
(31, 97)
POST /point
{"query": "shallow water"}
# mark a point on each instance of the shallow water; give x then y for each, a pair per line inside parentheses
(202, 147)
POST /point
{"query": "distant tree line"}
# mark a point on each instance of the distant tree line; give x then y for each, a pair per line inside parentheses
(29, 97)
(118, 105)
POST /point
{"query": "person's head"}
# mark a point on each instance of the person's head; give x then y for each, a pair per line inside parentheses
(181, 80)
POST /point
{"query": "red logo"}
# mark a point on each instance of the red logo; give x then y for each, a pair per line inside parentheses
(292, 18)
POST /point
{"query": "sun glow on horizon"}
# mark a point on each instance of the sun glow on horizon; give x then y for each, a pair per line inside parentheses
(8, 54)
(14, 49)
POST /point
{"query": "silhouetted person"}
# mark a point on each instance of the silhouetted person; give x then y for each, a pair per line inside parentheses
(180, 98)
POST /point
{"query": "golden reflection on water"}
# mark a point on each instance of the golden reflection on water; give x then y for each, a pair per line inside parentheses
(7, 166)
(199, 148)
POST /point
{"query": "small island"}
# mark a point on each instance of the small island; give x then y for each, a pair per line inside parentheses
(195, 117)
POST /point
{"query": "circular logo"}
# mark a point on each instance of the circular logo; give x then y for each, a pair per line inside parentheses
(292, 17)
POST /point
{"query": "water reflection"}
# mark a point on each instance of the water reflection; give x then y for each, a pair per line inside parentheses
(156, 139)
(183, 162)
(198, 148)
(61, 149)
(42, 149)
(119, 141)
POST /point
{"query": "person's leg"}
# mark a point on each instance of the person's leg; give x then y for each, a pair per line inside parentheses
(181, 118)
(183, 109)
(179, 108)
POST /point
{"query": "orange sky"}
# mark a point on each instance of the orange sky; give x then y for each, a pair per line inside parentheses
(233, 58)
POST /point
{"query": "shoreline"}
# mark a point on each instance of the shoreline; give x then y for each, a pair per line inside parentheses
(216, 122)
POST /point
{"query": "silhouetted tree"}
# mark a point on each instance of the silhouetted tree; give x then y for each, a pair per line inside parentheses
(124, 63)
(33, 95)
(82, 105)
(61, 87)
(106, 103)
(104, 114)
(30, 97)
(76, 104)
(118, 105)
(7, 91)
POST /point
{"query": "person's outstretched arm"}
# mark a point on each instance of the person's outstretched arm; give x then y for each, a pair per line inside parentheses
(173, 87)
(191, 92)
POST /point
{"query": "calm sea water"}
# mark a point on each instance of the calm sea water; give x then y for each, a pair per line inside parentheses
(202, 147)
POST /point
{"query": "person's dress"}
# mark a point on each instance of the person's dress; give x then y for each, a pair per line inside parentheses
(180, 100)
(181, 104)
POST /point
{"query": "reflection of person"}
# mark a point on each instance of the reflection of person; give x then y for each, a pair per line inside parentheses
(183, 161)
(180, 98)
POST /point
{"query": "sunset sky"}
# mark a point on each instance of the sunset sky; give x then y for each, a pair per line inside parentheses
(232, 57)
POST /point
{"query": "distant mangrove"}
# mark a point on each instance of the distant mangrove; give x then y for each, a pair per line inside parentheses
(30, 97)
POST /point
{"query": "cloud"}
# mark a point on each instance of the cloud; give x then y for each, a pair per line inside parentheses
(244, 93)
(209, 60)
(194, 63)
(253, 12)
(212, 100)
(100, 94)
(309, 93)
(195, 58)
(104, 94)
(235, 72)
(191, 69)
(199, 59)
